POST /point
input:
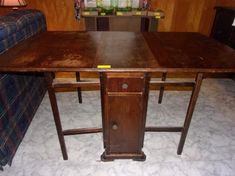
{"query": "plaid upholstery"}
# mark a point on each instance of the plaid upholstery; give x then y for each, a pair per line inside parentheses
(18, 26)
(20, 94)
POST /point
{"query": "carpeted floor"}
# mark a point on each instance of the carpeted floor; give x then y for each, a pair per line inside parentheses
(209, 149)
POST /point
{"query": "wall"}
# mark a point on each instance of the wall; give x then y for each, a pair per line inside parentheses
(225, 3)
(186, 15)
(4, 11)
(181, 15)
(59, 14)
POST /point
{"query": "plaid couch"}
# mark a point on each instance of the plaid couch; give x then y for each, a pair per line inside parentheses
(20, 94)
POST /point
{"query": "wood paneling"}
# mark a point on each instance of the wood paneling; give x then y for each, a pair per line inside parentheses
(186, 15)
(180, 15)
(230, 3)
(59, 14)
(168, 6)
(208, 15)
(4, 11)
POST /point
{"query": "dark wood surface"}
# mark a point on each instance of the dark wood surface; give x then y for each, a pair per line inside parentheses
(72, 51)
(125, 97)
(125, 86)
(124, 51)
(191, 52)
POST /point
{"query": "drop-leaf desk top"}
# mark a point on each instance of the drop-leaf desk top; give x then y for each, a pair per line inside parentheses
(122, 51)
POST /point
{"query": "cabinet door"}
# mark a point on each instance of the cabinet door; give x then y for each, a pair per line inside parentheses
(124, 105)
(125, 123)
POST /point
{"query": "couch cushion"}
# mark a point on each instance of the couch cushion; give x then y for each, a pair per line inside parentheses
(19, 26)
(26, 32)
(18, 105)
(7, 27)
(16, 20)
(20, 94)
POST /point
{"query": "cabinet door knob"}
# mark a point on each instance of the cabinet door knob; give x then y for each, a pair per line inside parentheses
(124, 86)
(115, 127)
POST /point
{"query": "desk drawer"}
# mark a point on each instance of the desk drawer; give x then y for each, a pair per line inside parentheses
(125, 84)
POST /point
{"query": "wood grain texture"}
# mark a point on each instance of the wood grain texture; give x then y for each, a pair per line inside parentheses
(208, 15)
(225, 3)
(4, 11)
(168, 6)
(180, 15)
(124, 107)
(142, 52)
(59, 14)
(186, 15)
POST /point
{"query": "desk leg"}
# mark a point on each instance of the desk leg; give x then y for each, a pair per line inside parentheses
(190, 110)
(56, 115)
(161, 91)
(79, 89)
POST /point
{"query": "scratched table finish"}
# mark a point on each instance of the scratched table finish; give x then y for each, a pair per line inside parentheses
(125, 86)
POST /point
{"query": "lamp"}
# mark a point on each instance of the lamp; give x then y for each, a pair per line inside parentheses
(13, 3)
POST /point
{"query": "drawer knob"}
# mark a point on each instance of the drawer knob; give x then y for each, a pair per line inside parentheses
(124, 86)
(115, 127)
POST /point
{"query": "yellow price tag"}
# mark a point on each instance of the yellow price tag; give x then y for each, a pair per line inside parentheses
(138, 13)
(103, 66)
(119, 13)
(157, 16)
(103, 14)
(86, 13)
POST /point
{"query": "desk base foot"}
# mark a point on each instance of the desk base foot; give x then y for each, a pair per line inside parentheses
(106, 158)
(111, 157)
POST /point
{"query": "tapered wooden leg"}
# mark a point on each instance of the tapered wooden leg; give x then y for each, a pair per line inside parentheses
(190, 110)
(102, 96)
(56, 115)
(79, 89)
(162, 88)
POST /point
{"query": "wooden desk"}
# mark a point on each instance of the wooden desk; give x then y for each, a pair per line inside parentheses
(125, 86)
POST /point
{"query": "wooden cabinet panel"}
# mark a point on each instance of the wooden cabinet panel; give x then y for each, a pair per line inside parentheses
(125, 123)
(125, 84)
(124, 97)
